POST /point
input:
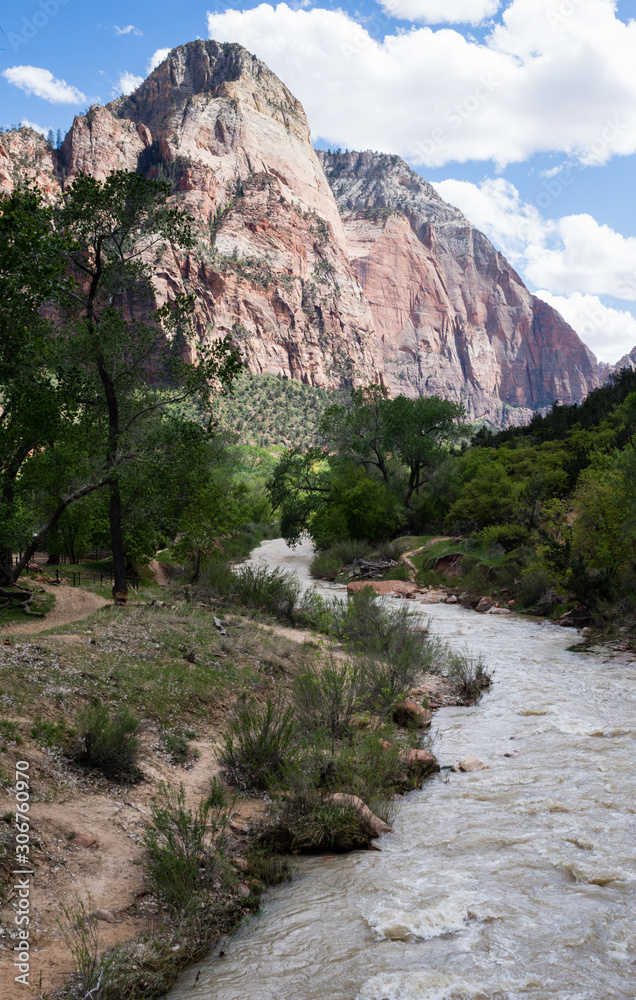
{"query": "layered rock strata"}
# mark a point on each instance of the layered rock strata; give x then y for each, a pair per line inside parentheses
(453, 316)
(346, 275)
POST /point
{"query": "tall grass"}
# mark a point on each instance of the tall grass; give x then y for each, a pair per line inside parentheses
(258, 745)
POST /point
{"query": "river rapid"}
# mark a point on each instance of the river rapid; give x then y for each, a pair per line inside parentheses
(515, 882)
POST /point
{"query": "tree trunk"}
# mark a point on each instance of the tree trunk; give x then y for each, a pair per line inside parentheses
(120, 587)
(6, 566)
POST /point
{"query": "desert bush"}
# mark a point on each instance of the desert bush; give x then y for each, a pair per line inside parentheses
(400, 572)
(468, 674)
(394, 653)
(179, 862)
(535, 584)
(218, 577)
(327, 695)
(258, 744)
(349, 549)
(109, 743)
(273, 591)
(325, 565)
(174, 743)
(392, 549)
(305, 821)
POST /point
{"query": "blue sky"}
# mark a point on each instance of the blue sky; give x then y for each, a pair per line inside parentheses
(521, 112)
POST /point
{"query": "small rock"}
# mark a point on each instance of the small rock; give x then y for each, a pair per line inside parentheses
(83, 839)
(242, 889)
(241, 864)
(408, 711)
(484, 604)
(499, 611)
(238, 827)
(452, 599)
(190, 657)
(107, 915)
(433, 597)
(470, 763)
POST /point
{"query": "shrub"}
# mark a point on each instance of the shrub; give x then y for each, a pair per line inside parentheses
(508, 536)
(349, 549)
(325, 565)
(272, 591)
(259, 743)
(180, 864)
(535, 584)
(392, 549)
(327, 696)
(468, 675)
(175, 745)
(216, 796)
(400, 572)
(109, 743)
(218, 577)
(394, 653)
(305, 822)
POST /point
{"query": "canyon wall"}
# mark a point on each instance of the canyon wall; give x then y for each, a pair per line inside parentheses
(335, 269)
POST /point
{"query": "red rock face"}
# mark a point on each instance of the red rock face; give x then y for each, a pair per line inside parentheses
(309, 282)
(454, 317)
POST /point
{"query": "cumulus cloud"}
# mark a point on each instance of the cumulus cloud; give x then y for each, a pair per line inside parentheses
(127, 83)
(41, 83)
(157, 58)
(573, 260)
(609, 333)
(571, 254)
(442, 11)
(129, 29)
(535, 84)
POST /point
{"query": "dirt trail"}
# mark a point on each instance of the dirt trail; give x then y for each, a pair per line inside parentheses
(71, 605)
(159, 573)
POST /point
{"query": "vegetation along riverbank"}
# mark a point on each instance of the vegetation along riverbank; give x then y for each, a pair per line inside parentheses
(183, 745)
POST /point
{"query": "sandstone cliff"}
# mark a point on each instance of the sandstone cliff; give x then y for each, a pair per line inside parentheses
(347, 275)
(271, 268)
(453, 316)
(606, 371)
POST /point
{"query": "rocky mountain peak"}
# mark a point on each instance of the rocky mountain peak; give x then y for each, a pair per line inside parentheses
(199, 72)
(375, 181)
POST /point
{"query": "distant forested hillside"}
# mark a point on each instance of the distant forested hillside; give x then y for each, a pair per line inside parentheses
(269, 410)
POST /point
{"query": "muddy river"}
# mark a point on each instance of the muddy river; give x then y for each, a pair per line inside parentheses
(515, 882)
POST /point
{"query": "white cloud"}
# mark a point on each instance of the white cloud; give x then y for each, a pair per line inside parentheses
(571, 254)
(441, 11)
(573, 260)
(157, 58)
(609, 333)
(433, 96)
(36, 128)
(129, 29)
(127, 83)
(41, 83)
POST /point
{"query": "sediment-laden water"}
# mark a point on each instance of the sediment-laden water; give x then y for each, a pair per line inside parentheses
(516, 882)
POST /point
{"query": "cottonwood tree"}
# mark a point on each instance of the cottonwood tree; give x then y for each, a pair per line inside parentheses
(37, 403)
(119, 356)
(127, 352)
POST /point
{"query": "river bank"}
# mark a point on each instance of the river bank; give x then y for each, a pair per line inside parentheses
(87, 832)
(511, 883)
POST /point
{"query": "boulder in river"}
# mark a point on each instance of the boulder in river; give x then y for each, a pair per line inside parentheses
(484, 604)
(470, 763)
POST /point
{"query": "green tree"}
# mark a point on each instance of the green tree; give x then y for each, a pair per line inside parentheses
(127, 351)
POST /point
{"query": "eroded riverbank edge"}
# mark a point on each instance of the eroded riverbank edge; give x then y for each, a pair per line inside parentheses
(69, 805)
